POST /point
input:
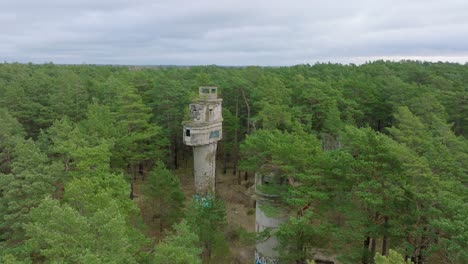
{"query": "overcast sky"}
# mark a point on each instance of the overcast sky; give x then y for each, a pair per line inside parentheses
(241, 32)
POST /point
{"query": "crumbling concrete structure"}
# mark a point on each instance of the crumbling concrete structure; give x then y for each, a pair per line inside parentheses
(269, 214)
(203, 132)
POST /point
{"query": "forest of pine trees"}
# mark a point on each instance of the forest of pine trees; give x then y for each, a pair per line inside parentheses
(376, 157)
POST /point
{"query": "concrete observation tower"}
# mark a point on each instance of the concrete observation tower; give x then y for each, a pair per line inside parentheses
(203, 132)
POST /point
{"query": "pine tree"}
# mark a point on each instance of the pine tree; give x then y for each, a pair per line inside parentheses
(9, 131)
(31, 179)
(179, 247)
(59, 233)
(163, 197)
(207, 218)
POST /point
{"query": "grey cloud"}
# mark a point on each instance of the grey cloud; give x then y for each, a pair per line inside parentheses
(231, 32)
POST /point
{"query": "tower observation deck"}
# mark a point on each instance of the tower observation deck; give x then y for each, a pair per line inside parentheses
(203, 132)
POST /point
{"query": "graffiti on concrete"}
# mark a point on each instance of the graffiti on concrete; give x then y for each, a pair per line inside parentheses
(195, 111)
(264, 260)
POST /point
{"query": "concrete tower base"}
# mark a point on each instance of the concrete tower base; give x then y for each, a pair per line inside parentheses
(265, 251)
(204, 158)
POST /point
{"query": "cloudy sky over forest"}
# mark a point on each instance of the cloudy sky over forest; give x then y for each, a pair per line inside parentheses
(240, 32)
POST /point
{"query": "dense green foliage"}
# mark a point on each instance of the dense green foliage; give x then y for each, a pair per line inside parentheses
(163, 198)
(372, 158)
(392, 258)
(207, 218)
(181, 247)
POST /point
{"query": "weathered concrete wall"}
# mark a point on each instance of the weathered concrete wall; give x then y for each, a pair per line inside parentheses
(204, 158)
(194, 135)
(206, 111)
(263, 221)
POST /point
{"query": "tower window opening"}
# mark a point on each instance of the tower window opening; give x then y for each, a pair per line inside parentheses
(187, 132)
(213, 90)
(205, 90)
